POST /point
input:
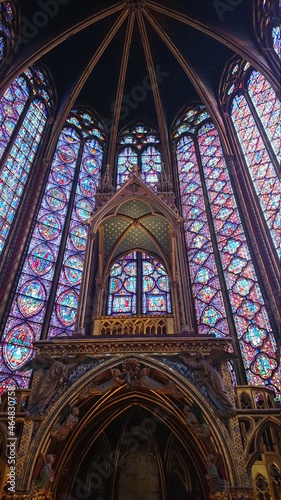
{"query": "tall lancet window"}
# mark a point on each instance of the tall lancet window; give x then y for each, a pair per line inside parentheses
(24, 110)
(138, 284)
(276, 40)
(255, 113)
(139, 150)
(7, 28)
(46, 297)
(221, 267)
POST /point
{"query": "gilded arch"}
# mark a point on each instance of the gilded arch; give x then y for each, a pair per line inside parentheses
(106, 407)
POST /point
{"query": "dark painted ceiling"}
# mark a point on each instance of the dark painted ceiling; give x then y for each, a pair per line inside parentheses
(187, 42)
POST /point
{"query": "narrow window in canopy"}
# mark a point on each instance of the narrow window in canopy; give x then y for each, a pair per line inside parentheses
(206, 189)
(138, 284)
(53, 263)
(139, 151)
(24, 110)
(123, 286)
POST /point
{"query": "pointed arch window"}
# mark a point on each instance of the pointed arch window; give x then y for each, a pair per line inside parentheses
(221, 268)
(7, 29)
(275, 476)
(262, 488)
(138, 284)
(139, 151)
(267, 24)
(255, 110)
(49, 284)
(24, 110)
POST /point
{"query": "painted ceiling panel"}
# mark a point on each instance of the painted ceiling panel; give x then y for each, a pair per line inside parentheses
(160, 230)
(134, 208)
(136, 238)
(113, 228)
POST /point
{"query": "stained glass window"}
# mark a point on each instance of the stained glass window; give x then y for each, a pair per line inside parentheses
(123, 286)
(127, 163)
(24, 109)
(210, 311)
(155, 287)
(255, 112)
(60, 233)
(7, 25)
(137, 153)
(138, 284)
(151, 166)
(206, 189)
(66, 301)
(276, 40)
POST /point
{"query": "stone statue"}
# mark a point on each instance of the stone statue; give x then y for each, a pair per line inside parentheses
(131, 374)
(55, 373)
(43, 477)
(94, 389)
(215, 480)
(60, 431)
(200, 429)
(144, 380)
(206, 375)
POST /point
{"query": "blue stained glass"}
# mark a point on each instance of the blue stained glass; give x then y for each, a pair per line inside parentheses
(6, 29)
(122, 299)
(276, 40)
(122, 304)
(127, 161)
(63, 316)
(123, 286)
(260, 166)
(30, 298)
(255, 336)
(140, 158)
(151, 167)
(155, 287)
(211, 316)
(41, 259)
(12, 105)
(244, 292)
(18, 165)
(47, 234)
(29, 305)
(66, 307)
(17, 345)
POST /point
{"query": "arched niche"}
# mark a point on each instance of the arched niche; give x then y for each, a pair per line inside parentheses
(133, 219)
(132, 414)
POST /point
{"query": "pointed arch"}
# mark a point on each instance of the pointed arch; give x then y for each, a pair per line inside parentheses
(210, 206)
(139, 149)
(254, 109)
(24, 110)
(46, 295)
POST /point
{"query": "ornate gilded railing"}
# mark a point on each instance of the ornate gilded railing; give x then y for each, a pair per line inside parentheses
(134, 325)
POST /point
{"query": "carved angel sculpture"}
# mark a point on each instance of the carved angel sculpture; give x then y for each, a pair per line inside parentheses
(60, 431)
(43, 475)
(206, 375)
(55, 373)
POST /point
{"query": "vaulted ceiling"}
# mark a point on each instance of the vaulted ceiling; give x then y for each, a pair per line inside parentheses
(136, 59)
